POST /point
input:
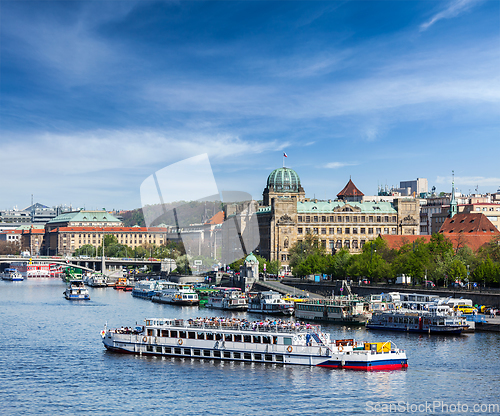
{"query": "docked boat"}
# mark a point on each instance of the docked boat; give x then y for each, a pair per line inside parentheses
(123, 284)
(203, 294)
(438, 319)
(76, 290)
(342, 311)
(146, 289)
(13, 275)
(263, 342)
(176, 294)
(227, 298)
(97, 280)
(271, 303)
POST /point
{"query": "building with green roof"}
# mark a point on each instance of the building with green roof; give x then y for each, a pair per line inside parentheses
(286, 216)
(84, 218)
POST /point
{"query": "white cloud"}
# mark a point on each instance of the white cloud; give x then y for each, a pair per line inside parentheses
(337, 165)
(453, 9)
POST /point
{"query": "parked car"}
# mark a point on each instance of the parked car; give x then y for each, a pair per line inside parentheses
(465, 308)
(428, 283)
(365, 282)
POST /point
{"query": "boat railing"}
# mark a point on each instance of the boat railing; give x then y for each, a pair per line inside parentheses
(248, 326)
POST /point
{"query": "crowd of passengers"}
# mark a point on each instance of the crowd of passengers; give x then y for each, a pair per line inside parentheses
(254, 325)
(127, 330)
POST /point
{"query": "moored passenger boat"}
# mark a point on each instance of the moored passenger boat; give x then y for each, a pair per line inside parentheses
(265, 342)
(270, 303)
(438, 319)
(13, 275)
(176, 294)
(76, 290)
(227, 298)
(97, 280)
(337, 311)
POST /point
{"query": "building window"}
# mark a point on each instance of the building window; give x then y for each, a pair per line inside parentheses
(347, 231)
(347, 218)
(394, 218)
(331, 230)
(354, 230)
(339, 244)
(355, 244)
(386, 230)
(332, 218)
(363, 243)
(339, 219)
(362, 230)
(331, 244)
(379, 231)
(299, 230)
(315, 231)
(395, 230)
(315, 218)
(354, 219)
(370, 230)
(323, 243)
(347, 244)
(379, 218)
(308, 218)
(308, 231)
(370, 218)
(386, 218)
(323, 231)
(339, 230)
(299, 218)
(363, 219)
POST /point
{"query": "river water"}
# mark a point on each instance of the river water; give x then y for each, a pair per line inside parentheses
(53, 362)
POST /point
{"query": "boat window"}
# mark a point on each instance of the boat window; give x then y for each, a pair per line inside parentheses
(182, 334)
(201, 335)
(150, 332)
(206, 353)
(217, 354)
(168, 350)
(247, 356)
(268, 357)
(197, 352)
(210, 336)
(237, 355)
(191, 335)
(275, 339)
(279, 358)
(149, 348)
(164, 333)
(247, 338)
(158, 349)
(228, 337)
(237, 338)
(218, 337)
(287, 341)
(257, 357)
(227, 354)
(266, 340)
(187, 351)
(173, 334)
(177, 350)
(256, 339)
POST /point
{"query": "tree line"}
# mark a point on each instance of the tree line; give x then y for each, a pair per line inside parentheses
(436, 260)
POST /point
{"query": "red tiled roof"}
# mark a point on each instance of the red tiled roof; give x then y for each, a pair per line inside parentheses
(468, 222)
(216, 219)
(474, 241)
(350, 190)
(109, 229)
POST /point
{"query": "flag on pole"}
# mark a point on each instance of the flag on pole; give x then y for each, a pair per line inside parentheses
(284, 154)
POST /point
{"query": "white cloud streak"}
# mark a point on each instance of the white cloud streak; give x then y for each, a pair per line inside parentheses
(453, 9)
(469, 181)
(338, 165)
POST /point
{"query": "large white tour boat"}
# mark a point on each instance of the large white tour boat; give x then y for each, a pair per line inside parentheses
(263, 342)
(176, 294)
(227, 298)
(76, 290)
(271, 303)
(438, 319)
(97, 280)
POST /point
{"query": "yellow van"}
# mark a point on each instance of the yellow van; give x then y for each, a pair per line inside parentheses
(465, 308)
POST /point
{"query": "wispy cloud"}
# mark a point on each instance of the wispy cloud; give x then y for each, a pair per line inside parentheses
(453, 9)
(338, 165)
(469, 181)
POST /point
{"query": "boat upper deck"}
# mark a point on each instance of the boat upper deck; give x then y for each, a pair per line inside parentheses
(281, 326)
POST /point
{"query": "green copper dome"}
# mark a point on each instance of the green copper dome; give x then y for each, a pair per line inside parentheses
(251, 258)
(284, 180)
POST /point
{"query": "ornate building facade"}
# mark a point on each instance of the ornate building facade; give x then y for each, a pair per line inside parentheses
(286, 216)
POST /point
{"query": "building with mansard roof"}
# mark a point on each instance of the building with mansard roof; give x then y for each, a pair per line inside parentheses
(286, 216)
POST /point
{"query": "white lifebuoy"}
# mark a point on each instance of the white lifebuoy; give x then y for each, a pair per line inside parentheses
(179, 342)
(144, 339)
(290, 349)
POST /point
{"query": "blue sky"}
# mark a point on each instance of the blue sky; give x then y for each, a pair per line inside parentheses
(96, 96)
